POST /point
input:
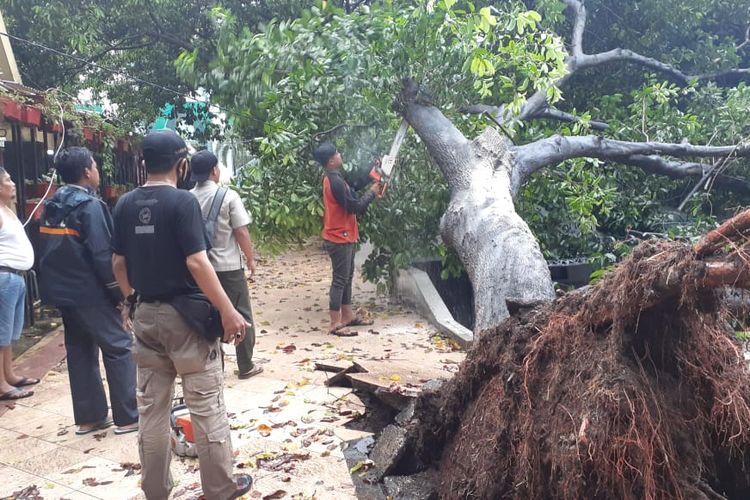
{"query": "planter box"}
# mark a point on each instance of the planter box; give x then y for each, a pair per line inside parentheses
(30, 205)
(31, 116)
(11, 109)
(38, 190)
(109, 192)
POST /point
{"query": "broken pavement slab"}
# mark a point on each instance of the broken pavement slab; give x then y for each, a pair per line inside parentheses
(388, 450)
(421, 486)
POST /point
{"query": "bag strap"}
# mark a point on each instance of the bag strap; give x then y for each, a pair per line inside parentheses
(213, 213)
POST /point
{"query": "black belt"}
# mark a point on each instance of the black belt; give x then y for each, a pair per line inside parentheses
(155, 298)
(4, 269)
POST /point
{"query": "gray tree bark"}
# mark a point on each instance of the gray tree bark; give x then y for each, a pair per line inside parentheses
(496, 246)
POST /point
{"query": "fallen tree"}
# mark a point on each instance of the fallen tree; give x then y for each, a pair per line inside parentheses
(631, 388)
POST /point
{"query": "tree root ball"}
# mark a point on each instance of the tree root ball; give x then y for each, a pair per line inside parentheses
(631, 388)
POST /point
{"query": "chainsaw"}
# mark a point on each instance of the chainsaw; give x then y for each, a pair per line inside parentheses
(382, 172)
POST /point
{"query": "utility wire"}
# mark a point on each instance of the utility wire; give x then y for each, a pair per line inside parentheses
(125, 74)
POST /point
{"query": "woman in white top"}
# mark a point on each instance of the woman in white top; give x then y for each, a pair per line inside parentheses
(16, 257)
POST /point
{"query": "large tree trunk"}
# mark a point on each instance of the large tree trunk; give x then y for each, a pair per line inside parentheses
(500, 254)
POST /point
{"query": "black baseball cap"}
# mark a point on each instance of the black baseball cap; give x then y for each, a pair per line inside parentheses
(163, 144)
(324, 152)
(201, 165)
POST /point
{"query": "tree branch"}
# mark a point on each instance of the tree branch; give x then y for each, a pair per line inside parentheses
(556, 149)
(446, 144)
(578, 27)
(556, 114)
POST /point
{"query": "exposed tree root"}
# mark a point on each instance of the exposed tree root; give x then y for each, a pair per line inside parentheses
(631, 388)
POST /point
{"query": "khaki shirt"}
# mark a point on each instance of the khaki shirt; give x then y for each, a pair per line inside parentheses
(225, 254)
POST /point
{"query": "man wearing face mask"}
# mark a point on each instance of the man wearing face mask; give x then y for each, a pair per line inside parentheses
(159, 246)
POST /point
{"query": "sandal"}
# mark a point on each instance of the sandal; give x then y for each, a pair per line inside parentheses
(14, 394)
(357, 321)
(255, 370)
(25, 381)
(94, 427)
(126, 429)
(340, 332)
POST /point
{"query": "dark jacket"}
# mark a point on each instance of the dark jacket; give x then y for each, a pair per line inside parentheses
(75, 258)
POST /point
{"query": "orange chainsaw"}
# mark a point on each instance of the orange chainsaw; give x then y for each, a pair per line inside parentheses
(382, 172)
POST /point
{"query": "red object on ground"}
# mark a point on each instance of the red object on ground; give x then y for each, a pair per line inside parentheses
(187, 427)
(31, 116)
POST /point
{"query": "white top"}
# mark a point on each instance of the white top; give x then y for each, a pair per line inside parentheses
(225, 254)
(16, 251)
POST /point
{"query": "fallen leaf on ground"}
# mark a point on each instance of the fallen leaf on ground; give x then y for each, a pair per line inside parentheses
(264, 430)
(362, 465)
(276, 494)
(90, 481)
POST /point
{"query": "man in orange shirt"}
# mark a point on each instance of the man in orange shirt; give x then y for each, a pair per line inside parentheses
(340, 233)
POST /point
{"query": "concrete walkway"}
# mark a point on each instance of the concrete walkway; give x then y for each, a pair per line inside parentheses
(287, 427)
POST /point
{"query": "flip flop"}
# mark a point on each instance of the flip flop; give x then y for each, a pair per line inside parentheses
(340, 332)
(125, 430)
(255, 370)
(95, 427)
(25, 381)
(14, 394)
(357, 321)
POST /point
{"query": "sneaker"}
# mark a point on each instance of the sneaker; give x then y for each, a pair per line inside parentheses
(244, 484)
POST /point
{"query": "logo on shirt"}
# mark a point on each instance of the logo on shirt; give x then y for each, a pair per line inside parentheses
(144, 215)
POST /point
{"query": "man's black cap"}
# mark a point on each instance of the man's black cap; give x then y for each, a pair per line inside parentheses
(164, 144)
(324, 152)
(201, 165)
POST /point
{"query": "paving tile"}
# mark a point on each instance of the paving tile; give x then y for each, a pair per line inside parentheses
(15, 480)
(52, 462)
(16, 447)
(32, 421)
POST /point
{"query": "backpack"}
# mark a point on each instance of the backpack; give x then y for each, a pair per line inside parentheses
(211, 221)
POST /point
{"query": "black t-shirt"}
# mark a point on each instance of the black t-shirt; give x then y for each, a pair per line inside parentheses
(156, 229)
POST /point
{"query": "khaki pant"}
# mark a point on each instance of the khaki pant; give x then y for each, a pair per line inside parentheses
(166, 347)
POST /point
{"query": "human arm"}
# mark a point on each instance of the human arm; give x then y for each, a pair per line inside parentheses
(239, 220)
(96, 231)
(203, 273)
(120, 271)
(242, 235)
(344, 197)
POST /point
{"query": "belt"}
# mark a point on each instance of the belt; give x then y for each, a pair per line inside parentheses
(4, 269)
(156, 298)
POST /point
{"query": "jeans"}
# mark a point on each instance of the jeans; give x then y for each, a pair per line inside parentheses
(12, 302)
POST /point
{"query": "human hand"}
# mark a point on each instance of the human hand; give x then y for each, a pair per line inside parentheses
(377, 188)
(125, 316)
(251, 267)
(234, 325)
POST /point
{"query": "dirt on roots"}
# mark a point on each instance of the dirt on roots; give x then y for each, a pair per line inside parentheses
(631, 388)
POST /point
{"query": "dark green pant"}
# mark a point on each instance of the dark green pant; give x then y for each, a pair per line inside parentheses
(235, 286)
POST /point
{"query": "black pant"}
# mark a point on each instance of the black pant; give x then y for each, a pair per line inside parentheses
(88, 329)
(342, 262)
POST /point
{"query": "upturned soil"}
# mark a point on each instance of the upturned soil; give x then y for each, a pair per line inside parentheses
(631, 388)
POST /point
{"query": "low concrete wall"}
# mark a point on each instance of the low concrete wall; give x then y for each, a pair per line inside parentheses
(415, 287)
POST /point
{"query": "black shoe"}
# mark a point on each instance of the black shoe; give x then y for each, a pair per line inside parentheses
(244, 484)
